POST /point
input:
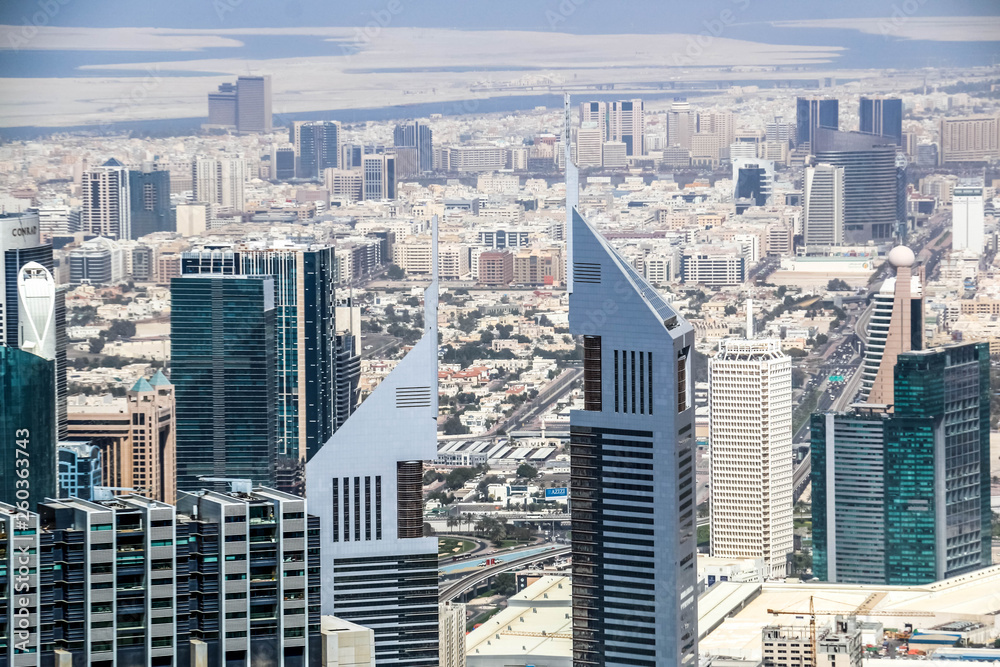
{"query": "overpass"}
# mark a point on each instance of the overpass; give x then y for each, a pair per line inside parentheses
(471, 582)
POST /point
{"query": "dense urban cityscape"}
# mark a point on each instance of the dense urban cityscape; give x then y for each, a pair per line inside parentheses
(663, 364)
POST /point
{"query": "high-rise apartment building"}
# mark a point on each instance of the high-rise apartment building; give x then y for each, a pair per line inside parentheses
(317, 147)
(902, 497)
(223, 365)
(589, 145)
(253, 104)
(416, 134)
(220, 181)
(967, 218)
(149, 203)
(750, 438)
(812, 113)
(451, 640)
(969, 139)
(870, 186)
(222, 106)
(896, 325)
(365, 483)
(627, 124)
(719, 123)
(882, 116)
(496, 268)
(223, 578)
(305, 327)
(823, 212)
(632, 467)
(136, 435)
(106, 201)
(379, 174)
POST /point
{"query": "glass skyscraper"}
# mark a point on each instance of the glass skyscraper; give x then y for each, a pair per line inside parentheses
(882, 116)
(632, 467)
(149, 203)
(811, 113)
(416, 134)
(904, 497)
(222, 333)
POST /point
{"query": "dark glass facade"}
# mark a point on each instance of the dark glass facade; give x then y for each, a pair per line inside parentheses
(416, 135)
(904, 498)
(222, 331)
(812, 113)
(882, 116)
(750, 184)
(319, 146)
(28, 428)
(149, 201)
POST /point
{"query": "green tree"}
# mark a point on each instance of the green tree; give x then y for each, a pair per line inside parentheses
(454, 426)
(731, 310)
(95, 345)
(395, 272)
(526, 471)
(795, 352)
(506, 585)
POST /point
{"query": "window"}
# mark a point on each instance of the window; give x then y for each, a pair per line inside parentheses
(378, 507)
(336, 509)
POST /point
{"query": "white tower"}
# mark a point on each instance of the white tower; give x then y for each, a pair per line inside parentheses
(967, 218)
(750, 441)
(36, 305)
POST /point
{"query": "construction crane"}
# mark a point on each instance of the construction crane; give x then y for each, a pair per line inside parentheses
(812, 626)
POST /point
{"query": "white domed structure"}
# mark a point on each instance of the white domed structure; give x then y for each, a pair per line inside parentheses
(901, 256)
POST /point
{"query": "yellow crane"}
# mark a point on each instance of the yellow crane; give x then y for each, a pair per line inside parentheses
(812, 626)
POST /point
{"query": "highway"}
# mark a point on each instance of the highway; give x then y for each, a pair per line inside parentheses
(452, 590)
(550, 393)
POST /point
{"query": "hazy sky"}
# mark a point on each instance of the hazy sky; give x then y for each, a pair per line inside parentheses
(587, 16)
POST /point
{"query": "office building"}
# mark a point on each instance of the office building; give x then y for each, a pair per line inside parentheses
(222, 350)
(681, 125)
(496, 268)
(80, 469)
(193, 219)
(132, 581)
(149, 203)
(870, 186)
(898, 497)
(882, 116)
(778, 131)
(253, 104)
(142, 264)
(713, 266)
(752, 182)
(627, 124)
(220, 181)
(895, 326)
(837, 644)
(21, 245)
(305, 329)
(282, 163)
(106, 201)
(927, 155)
(416, 134)
(597, 113)
(750, 438)
(379, 176)
(346, 644)
(969, 139)
(317, 147)
(99, 261)
(222, 106)
(632, 467)
(348, 351)
(501, 238)
(451, 637)
(812, 113)
(823, 213)
(539, 267)
(136, 435)
(589, 145)
(967, 218)
(365, 483)
(614, 155)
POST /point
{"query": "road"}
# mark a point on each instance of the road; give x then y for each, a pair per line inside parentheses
(550, 394)
(452, 590)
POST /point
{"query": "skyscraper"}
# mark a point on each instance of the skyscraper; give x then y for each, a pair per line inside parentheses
(416, 134)
(750, 439)
(627, 124)
(969, 139)
(896, 325)
(882, 116)
(305, 330)
(632, 466)
(967, 218)
(823, 213)
(149, 203)
(365, 483)
(220, 181)
(222, 106)
(28, 393)
(870, 186)
(681, 124)
(902, 498)
(812, 113)
(21, 245)
(317, 147)
(589, 145)
(106, 201)
(222, 350)
(253, 104)
(379, 174)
